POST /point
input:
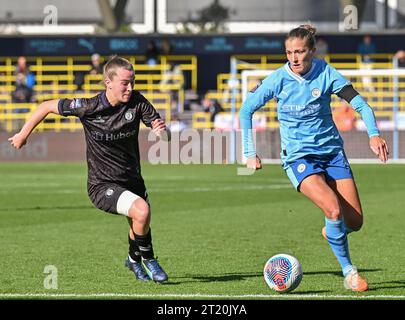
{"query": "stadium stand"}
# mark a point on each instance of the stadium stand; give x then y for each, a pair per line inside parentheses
(380, 94)
(55, 79)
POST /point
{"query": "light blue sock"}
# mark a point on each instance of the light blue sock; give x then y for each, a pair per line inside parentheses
(348, 230)
(337, 238)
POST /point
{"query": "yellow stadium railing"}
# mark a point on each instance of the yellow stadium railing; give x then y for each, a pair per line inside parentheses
(14, 115)
(72, 64)
(55, 79)
(338, 61)
(381, 91)
(186, 62)
(224, 98)
(55, 76)
(202, 120)
(224, 81)
(149, 83)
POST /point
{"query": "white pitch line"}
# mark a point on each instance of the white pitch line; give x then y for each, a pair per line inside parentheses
(222, 188)
(165, 190)
(196, 295)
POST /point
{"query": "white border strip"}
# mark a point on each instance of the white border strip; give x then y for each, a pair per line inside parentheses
(35, 29)
(196, 295)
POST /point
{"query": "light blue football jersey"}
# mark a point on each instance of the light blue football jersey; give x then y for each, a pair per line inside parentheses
(303, 109)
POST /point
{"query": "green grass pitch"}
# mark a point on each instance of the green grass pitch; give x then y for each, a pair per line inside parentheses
(212, 230)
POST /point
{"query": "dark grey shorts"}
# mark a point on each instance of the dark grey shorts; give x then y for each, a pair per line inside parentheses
(114, 198)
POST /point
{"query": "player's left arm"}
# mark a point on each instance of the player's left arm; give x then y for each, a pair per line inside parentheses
(255, 99)
(151, 118)
(377, 144)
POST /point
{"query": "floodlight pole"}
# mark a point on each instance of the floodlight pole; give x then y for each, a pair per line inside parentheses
(155, 17)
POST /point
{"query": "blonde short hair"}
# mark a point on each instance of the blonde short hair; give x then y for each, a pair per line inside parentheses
(114, 63)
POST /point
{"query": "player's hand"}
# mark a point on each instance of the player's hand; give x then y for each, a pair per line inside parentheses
(254, 163)
(17, 141)
(160, 129)
(158, 126)
(379, 147)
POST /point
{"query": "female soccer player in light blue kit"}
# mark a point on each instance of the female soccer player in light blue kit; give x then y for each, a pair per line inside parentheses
(312, 148)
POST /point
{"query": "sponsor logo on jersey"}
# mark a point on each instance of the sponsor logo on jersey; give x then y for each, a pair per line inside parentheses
(301, 168)
(129, 115)
(99, 119)
(316, 93)
(109, 192)
(99, 136)
(300, 110)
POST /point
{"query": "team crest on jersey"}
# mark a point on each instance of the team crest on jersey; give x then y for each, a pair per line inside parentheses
(129, 116)
(316, 93)
(301, 168)
(109, 192)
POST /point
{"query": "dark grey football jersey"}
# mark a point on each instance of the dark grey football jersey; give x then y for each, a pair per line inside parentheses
(111, 135)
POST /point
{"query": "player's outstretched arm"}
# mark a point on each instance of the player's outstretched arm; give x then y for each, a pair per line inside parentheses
(46, 107)
(160, 129)
(377, 144)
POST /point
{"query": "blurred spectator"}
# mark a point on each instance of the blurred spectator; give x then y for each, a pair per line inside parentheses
(172, 82)
(344, 117)
(22, 92)
(400, 55)
(212, 106)
(176, 125)
(21, 95)
(23, 70)
(321, 48)
(96, 65)
(366, 48)
(152, 53)
(171, 75)
(166, 47)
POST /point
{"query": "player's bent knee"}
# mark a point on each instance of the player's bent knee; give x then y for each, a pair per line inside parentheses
(333, 213)
(134, 207)
(140, 211)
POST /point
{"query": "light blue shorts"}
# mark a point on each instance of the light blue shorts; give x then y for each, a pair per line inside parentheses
(334, 167)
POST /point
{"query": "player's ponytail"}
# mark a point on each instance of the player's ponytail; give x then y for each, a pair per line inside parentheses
(304, 31)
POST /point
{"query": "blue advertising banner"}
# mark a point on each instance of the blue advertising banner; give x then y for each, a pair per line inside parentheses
(182, 44)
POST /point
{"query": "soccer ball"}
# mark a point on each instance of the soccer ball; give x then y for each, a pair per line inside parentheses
(282, 273)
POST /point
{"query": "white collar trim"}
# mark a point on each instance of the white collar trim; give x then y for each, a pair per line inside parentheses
(297, 76)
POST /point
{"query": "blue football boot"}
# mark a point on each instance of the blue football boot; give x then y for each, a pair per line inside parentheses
(138, 270)
(154, 270)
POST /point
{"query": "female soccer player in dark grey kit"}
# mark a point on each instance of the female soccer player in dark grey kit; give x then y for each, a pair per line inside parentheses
(111, 124)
